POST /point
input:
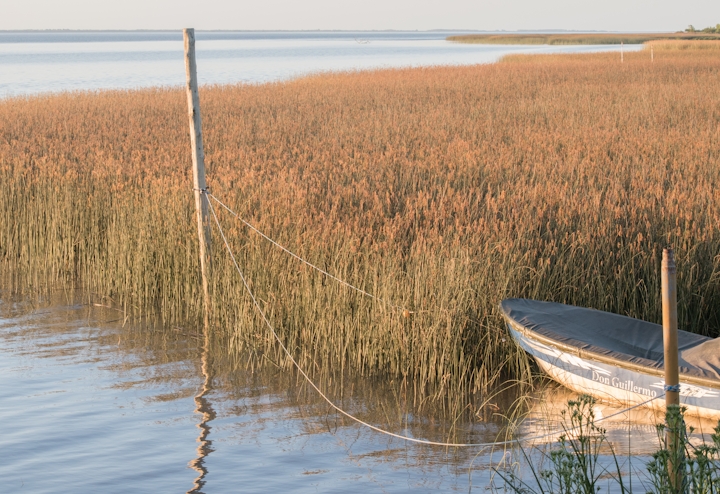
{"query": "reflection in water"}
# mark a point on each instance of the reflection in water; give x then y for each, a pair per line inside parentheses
(203, 407)
(94, 406)
(628, 431)
(80, 388)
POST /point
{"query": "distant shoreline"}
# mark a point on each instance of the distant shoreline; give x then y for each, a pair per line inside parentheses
(578, 39)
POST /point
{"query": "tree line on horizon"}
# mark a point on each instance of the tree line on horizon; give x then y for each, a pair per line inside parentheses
(712, 30)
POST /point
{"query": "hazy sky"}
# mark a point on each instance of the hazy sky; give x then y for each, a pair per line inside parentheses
(610, 15)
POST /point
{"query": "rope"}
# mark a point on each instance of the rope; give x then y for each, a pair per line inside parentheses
(352, 417)
(313, 266)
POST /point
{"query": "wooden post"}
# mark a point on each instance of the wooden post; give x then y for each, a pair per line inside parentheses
(652, 54)
(670, 340)
(622, 55)
(672, 378)
(198, 160)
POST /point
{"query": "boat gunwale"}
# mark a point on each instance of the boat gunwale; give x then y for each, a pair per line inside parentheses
(709, 383)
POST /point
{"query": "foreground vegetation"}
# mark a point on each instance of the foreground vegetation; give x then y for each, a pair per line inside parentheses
(440, 190)
(582, 39)
(584, 461)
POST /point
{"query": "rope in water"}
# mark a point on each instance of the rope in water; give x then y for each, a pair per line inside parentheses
(308, 263)
(343, 412)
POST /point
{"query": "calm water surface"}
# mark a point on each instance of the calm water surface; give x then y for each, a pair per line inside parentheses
(90, 405)
(40, 62)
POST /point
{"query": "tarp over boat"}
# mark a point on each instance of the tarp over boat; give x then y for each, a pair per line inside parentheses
(613, 336)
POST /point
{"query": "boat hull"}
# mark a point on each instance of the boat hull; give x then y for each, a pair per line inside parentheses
(612, 383)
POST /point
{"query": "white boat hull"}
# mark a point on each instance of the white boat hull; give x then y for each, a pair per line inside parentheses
(611, 383)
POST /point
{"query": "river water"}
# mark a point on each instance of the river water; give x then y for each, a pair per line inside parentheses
(40, 62)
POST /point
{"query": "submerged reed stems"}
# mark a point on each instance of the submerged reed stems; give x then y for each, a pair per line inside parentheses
(440, 190)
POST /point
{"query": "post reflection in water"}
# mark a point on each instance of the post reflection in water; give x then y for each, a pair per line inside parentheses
(205, 409)
(138, 385)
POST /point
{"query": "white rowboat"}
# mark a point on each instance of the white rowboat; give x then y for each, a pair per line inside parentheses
(612, 357)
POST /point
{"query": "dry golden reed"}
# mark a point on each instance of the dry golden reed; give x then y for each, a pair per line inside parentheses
(669, 45)
(440, 190)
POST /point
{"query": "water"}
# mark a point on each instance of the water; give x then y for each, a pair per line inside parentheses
(41, 62)
(91, 403)
(92, 406)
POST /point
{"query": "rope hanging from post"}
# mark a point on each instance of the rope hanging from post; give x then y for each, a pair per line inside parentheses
(405, 311)
(352, 417)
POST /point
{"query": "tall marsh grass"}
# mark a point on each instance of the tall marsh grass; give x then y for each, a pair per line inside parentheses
(670, 45)
(441, 190)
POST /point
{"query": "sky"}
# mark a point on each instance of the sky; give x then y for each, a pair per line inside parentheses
(492, 15)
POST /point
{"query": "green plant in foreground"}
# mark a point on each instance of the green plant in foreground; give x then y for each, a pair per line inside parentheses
(678, 467)
(575, 465)
(682, 467)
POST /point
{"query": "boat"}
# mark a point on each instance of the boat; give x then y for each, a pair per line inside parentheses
(615, 358)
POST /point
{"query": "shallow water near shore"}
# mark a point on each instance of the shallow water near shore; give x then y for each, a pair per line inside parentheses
(94, 404)
(91, 406)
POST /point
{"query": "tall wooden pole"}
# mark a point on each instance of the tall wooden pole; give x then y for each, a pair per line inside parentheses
(198, 160)
(669, 303)
(672, 378)
(670, 337)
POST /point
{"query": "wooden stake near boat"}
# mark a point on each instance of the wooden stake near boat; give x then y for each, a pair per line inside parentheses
(672, 374)
(198, 159)
(670, 328)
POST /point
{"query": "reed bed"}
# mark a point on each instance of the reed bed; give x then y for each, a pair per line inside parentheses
(672, 45)
(439, 190)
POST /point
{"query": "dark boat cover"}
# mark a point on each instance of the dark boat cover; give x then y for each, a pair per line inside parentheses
(618, 337)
